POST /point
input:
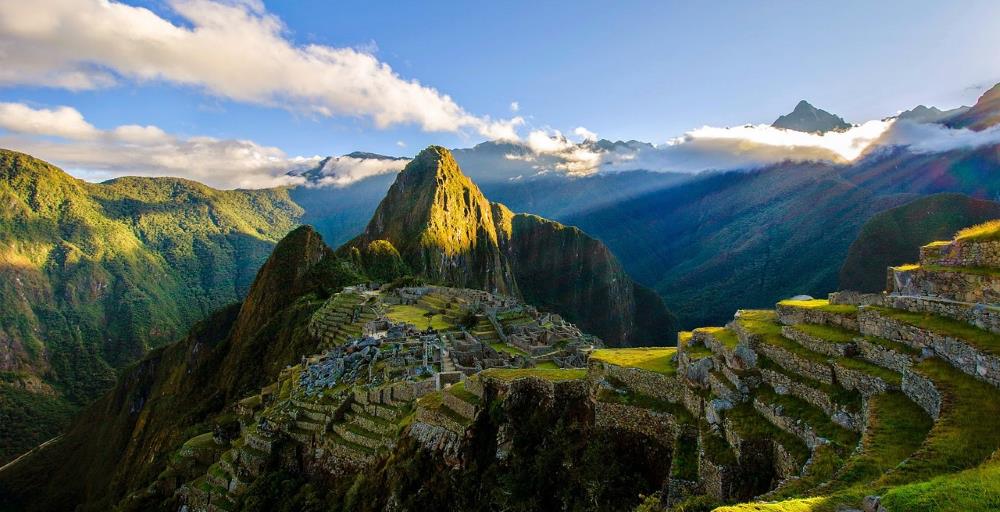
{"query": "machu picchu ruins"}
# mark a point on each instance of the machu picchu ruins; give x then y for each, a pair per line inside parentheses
(845, 403)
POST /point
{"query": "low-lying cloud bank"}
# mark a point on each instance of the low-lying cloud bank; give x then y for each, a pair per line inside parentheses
(342, 171)
(63, 136)
(741, 147)
(231, 49)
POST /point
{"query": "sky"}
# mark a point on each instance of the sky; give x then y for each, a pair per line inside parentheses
(230, 92)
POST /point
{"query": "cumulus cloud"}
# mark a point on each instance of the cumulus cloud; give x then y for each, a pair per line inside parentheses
(344, 170)
(235, 50)
(584, 133)
(64, 137)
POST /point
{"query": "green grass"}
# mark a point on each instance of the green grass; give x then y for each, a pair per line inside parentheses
(850, 400)
(749, 424)
(698, 351)
(716, 448)
(890, 377)
(972, 490)
(979, 338)
(813, 416)
(685, 462)
(821, 305)
(725, 336)
(546, 374)
(655, 359)
(828, 333)
(765, 324)
(418, 317)
(985, 231)
(464, 394)
(547, 365)
(201, 442)
(895, 346)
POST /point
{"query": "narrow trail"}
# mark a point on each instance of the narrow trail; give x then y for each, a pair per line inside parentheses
(29, 452)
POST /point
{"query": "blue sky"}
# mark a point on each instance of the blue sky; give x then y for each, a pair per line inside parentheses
(628, 70)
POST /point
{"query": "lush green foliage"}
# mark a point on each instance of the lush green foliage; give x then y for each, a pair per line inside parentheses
(894, 236)
(660, 360)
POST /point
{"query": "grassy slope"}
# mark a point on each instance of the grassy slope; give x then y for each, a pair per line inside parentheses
(94, 275)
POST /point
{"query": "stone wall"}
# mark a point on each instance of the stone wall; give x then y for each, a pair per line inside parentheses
(643, 382)
(784, 385)
(922, 391)
(959, 286)
(791, 315)
(884, 357)
(962, 254)
(794, 426)
(854, 380)
(660, 426)
(818, 344)
(820, 371)
(463, 408)
(959, 353)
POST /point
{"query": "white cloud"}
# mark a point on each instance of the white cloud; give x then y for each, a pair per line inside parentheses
(60, 122)
(64, 137)
(584, 133)
(400, 143)
(344, 170)
(515, 106)
(234, 50)
(935, 138)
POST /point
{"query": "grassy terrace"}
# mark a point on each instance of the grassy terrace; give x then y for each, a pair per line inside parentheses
(463, 394)
(813, 416)
(434, 401)
(982, 339)
(821, 305)
(827, 333)
(541, 373)
(977, 271)
(980, 232)
(654, 359)
(419, 317)
(749, 424)
(765, 324)
(725, 336)
(890, 377)
(679, 412)
(850, 400)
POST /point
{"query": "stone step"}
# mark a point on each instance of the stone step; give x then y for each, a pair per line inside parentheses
(970, 349)
(827, 340)
(842, 406)
(308, 426)
(980, 315)
(358, 435)
(817, 311)
(371, 423)
(961, 284)
(962, 253)
(804, 420)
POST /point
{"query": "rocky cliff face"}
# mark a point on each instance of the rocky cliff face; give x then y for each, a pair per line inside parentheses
(446, 230)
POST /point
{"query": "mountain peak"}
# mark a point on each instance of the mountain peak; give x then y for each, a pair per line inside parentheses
(807, 118)
(984, 114)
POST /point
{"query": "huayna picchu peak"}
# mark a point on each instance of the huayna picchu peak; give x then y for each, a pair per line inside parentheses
(807, 118)
(446, 230)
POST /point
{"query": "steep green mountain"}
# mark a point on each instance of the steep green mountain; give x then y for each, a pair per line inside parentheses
(120, 443)
(807, 118)
(446, 230)
(94, 275)
(746, 239)
(894, 236)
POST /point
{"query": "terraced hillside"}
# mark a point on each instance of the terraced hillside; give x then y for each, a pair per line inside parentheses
(876, 402)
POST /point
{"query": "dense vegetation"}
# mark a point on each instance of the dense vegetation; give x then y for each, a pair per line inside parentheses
(894, 236)
(94, 275)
